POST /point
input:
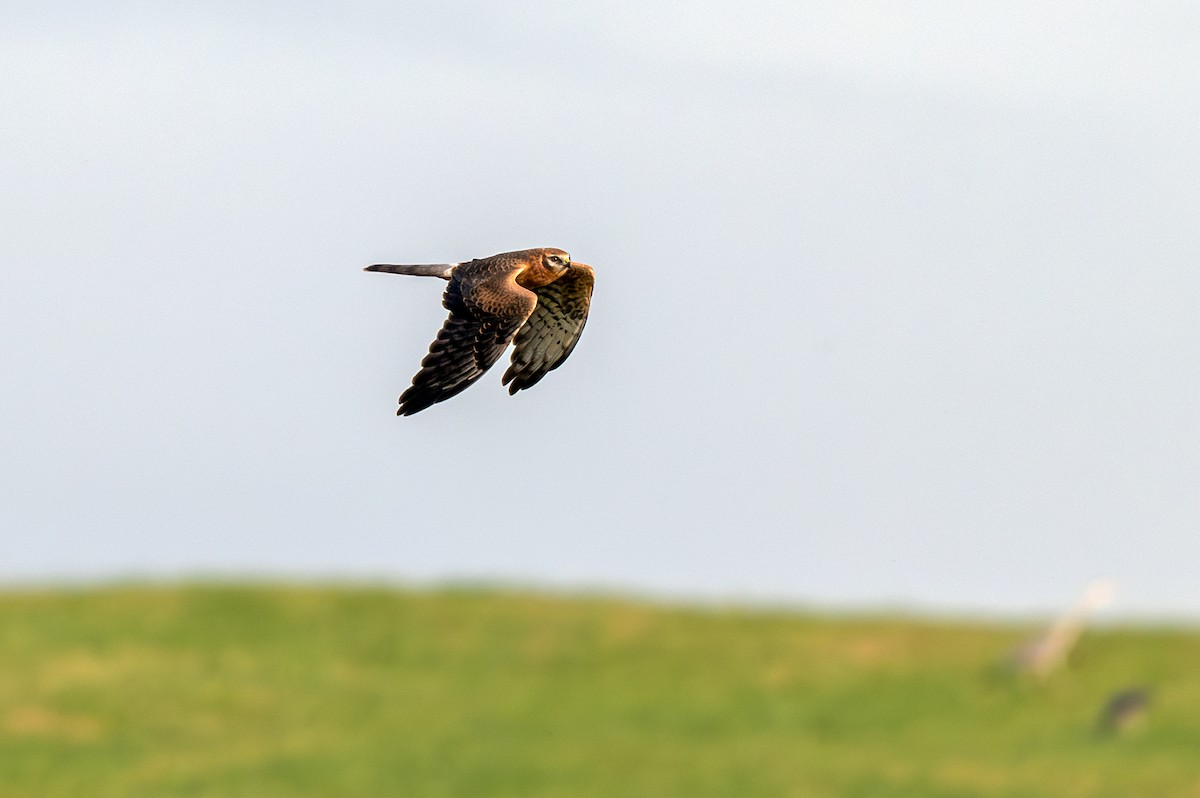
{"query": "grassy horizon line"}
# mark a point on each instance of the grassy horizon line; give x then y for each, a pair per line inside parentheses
(238, 689)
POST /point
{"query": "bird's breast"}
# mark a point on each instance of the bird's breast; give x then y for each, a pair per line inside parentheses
(535, 276)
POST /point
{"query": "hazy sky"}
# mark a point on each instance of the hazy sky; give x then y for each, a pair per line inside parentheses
(895, 303)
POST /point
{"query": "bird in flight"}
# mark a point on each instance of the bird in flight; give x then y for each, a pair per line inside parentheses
(535, 298)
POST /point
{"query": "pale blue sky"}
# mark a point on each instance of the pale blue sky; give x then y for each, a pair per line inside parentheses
(895, 303)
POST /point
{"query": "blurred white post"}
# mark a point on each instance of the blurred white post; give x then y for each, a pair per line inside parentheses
(1046, 652)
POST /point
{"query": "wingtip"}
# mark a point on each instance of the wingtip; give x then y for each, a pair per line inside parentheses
(519, 383)
(410, 407)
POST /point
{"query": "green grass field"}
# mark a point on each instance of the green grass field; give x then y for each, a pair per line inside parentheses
(282, 691)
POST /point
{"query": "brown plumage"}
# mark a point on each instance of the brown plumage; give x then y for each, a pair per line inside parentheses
(537, 297)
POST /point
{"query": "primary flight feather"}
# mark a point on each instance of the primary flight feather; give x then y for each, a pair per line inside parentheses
(536, 298)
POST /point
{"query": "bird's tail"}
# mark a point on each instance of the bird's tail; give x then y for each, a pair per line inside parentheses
(442, 270)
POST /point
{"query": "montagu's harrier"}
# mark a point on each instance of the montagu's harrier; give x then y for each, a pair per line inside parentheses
(536, 298)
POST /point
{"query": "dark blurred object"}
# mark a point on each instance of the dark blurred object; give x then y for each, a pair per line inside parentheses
(1124, 712)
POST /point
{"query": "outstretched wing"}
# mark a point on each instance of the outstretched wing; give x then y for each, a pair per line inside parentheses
(553, 329)
(485, 313)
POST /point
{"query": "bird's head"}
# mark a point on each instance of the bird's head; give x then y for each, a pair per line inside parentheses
(556, 260)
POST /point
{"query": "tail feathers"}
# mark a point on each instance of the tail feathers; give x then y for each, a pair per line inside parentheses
(442, 270)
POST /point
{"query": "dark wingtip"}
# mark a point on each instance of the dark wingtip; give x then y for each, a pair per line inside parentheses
(520, 383)
(413, 404)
